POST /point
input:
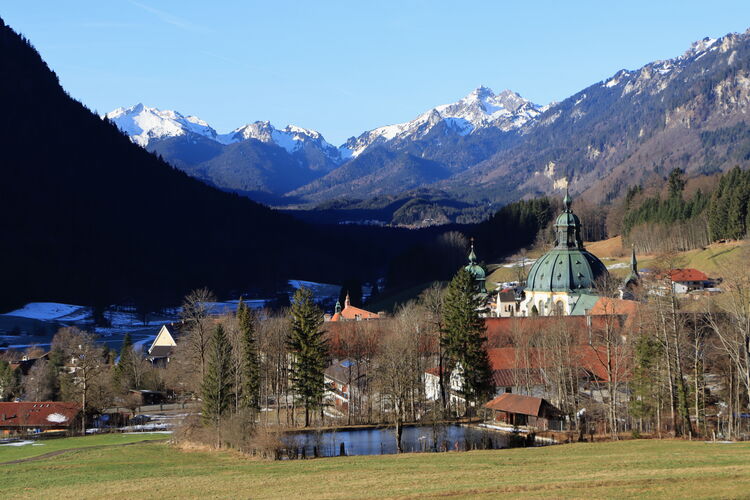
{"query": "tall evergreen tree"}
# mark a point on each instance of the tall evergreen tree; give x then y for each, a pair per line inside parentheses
(123, 373)
(250, 361)
(309, 350)
(216, 389)
(464, 338)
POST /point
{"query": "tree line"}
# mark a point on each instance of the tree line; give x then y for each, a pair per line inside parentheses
(655, 224)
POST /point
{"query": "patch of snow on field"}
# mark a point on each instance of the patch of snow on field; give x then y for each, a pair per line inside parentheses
(150, 432)
(17, 443)
(321, 291)
(619, 265)
(51, 311)
(520, 262)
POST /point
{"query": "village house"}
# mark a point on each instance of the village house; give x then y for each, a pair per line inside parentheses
(26, 361)
(687, 280)
(341, 380)
(508, 302)
(163, 345)
(29, 417)
(525, 411)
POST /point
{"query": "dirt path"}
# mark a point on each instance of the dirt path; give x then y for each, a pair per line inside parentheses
(60, 452)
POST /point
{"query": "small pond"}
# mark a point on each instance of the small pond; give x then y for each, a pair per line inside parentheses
(379, 441)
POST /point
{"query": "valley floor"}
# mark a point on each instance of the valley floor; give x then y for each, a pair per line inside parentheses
(628, 469)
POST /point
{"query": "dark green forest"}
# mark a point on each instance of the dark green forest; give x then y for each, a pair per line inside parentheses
(675, 222)
(88, 217)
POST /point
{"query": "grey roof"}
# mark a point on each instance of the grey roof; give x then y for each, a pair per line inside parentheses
(160, 351)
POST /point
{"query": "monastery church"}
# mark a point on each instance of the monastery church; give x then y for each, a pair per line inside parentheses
(562, 282)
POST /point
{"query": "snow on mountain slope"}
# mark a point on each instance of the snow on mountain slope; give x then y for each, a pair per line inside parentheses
(481, 108)
(142, 123)
(291, 138)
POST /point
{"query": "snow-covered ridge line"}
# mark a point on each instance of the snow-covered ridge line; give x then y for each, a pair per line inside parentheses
(482, 108)
(144, 124)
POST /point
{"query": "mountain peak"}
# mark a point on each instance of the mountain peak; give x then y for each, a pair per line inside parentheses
(479, 109)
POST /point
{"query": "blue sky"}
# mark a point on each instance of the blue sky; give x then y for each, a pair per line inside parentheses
(342, 67)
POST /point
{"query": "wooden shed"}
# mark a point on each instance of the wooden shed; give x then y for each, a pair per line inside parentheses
(519, 410)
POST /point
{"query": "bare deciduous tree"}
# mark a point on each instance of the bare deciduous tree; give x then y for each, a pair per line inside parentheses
(196, 309)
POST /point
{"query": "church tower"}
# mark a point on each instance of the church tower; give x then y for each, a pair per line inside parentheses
(476, 270)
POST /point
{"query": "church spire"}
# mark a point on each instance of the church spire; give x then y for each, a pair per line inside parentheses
(472, 255)
(633, 276)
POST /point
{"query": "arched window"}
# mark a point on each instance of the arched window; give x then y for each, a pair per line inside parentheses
(559, 308)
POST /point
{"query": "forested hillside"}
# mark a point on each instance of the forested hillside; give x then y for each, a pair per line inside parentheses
(86, 216)
(667, 218)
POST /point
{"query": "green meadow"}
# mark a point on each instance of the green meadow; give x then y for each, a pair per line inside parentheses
(627, 469)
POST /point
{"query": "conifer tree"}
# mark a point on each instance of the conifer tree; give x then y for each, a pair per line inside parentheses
(250, 362)
(123, 372)
(309, 351)
(216, 389)
(464, 338)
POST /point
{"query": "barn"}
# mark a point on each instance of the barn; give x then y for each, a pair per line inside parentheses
(38, 416)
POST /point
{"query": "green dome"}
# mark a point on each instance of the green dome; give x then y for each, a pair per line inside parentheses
(568, 267)
(565, 270)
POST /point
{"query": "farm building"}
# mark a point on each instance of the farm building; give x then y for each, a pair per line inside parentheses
(519, 410)
(687, 280)
(38, 416)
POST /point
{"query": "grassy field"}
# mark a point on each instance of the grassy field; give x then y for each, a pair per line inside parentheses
(44, 446)
(630, 469)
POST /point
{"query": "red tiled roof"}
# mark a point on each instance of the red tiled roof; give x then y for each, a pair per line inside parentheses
(504, 361)
(514, 377)
(53, 414)
(687, 275)
(607, 305)
(516, 403)
(353, 313)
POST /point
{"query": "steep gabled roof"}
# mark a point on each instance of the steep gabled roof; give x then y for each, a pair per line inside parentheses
(165, 338)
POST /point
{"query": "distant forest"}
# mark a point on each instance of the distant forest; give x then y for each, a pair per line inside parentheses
(672, 221)
(87, 217)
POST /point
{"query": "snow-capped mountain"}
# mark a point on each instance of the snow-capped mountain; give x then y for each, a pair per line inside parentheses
(144, 124)
(689, 112)
(256, 159)
(291, 138)
(482, 108)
